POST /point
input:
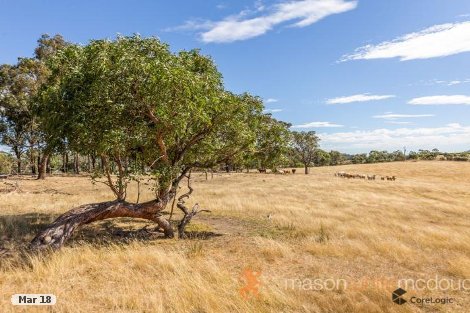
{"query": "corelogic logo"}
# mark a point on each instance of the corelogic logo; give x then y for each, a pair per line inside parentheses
(397, 296)
(398, 299)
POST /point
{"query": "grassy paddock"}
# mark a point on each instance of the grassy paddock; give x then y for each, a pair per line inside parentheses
(291, 228)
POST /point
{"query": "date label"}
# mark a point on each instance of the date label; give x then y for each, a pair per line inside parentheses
(33, 299)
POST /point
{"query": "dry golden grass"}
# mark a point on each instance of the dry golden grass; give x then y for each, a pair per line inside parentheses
(319, 226)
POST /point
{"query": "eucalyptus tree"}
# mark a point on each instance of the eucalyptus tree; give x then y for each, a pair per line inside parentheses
(304, 145)
(133, 97)
(271, 146)
(19, 85)
(15, 114)
(321, 158)
(336, 157)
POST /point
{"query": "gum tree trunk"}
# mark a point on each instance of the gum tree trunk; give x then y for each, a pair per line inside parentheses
(42, 168)
(17, 152)
(32, 161)
(55, 235)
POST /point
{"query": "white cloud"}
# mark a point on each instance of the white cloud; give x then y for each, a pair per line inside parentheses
(272, 110)
(358, 98)
(457, 82)
(444, 82)
(192, 25)
(392, 116)
(441, 100)
(451, 137)
(271, 100)
(436, 41)
(253, 23)
(259, 5)
(317, 125)
(398, 122)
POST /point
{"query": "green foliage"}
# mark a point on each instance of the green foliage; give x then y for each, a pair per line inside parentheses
(6, 163)
(321, 158)
(359, 158)
(271, 145)
(413, 155)
(132, 98)
(336, 158)
(19, 86)
(303, 146)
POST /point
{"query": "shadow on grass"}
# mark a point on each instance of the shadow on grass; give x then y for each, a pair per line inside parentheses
(17, 231)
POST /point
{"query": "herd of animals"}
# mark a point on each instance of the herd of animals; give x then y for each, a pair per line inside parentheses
(364, 176)
(263, 170)
(341, 174)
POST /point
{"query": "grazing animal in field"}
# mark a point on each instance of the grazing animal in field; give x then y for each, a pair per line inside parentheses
(371, 177)
(286, 171)
(382, 178)
(262, 170)
(293, 171)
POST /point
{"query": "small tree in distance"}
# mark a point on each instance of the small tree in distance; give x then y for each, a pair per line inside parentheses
(304, 145)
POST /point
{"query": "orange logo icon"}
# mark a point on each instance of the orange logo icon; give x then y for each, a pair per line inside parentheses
(252, 283)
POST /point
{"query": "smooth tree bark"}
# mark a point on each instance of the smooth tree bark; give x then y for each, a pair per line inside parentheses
(48, 165)
(18, 154)
(76, 164)
(32, 161)
(42, 168)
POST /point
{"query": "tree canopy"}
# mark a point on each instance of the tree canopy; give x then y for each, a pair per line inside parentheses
(133, 98)
(19, 87)
(304, 145)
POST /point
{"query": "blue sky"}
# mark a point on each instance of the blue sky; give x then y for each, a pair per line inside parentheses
(366, 74)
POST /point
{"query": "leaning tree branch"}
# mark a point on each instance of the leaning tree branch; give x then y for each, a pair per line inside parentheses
(188, 215)
(55, 235)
